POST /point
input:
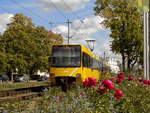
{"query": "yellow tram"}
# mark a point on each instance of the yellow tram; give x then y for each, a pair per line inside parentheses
(74, 63)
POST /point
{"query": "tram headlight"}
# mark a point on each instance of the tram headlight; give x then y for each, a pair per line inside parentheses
(78, 75)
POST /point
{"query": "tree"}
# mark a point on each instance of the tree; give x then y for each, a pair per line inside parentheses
(25, 46)
(125, 23)
(43, 42)
(2, 56)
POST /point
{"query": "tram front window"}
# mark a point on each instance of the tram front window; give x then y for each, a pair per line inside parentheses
(66, 56)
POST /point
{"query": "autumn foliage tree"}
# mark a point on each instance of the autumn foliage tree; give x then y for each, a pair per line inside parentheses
(24, 47)
(126, 26)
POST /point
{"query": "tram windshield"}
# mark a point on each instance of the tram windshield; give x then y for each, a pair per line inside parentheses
(66, 56)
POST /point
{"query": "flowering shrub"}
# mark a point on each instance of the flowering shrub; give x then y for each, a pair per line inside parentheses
(120, 76)
(118, 94)
(89, 82)
(130, 78)
(108, 84)
(102, 88)
(118, 80)
(140, 79)
(131, 95)
(145, 81)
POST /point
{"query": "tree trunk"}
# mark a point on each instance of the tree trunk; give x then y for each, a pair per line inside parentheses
(129, 64)
(31, 72)
(9, 73)
(123, 62)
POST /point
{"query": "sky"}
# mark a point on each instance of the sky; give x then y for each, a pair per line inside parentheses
(53, 15)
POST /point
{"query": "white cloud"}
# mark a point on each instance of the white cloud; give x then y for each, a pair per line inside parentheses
(80, 30)
(63, 5)
(4, 20)
(83, 31)
(105, 46)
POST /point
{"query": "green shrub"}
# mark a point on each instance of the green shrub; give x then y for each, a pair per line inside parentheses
(82, 99)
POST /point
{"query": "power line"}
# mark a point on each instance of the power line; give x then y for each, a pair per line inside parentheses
(57, 9)
(4, 9)
(78, 29)
(73, 13)
(52, 23)
(68, 22)
(66, 18)
(30, 11)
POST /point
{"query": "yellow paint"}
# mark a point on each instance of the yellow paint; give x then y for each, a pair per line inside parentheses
(72, 71)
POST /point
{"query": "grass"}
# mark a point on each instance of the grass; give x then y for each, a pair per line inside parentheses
(9, 85)
(80, 99)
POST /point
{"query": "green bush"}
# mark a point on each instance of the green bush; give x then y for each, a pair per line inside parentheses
(82, 99)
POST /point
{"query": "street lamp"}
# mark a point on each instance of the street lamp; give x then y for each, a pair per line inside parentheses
(90, 44)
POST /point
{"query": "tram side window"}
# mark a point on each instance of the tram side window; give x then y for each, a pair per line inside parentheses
(95, 64)
(91, 62)
(86, 60)
(100, 65)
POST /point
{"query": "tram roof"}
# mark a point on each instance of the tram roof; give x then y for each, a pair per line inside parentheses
(84, 48)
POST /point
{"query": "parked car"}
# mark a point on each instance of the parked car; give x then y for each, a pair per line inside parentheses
(42, 78)
(4, 77)
(21, 78)
(35, 77)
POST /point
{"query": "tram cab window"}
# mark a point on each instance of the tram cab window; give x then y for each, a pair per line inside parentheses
(66, 56)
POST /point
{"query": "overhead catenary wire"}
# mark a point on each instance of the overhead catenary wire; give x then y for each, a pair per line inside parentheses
(34, 14)
(4, 9)
(28, 10)
(65, 16)
(57, 9)
(75, 16)
(97, 29)
(73, 13)
(77, 29)
(52, 23)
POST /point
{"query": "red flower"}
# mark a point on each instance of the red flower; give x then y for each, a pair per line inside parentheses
(85, 82)
(148, 83)
(113, 79)
(120, 76)
(101, 88)
(145, 81)
(130, 78)
(118, 94)
(118, 80)
(90, 82)
(108, 84)
(140, 79)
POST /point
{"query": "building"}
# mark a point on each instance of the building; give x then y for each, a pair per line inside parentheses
(113, 63)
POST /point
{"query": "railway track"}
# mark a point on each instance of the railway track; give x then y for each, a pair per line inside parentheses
(23, 93)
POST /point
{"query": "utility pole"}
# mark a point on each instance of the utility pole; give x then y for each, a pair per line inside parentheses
(146, 46)
(103, 61)
(68, 22)
(104, 55)
(143, 7)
